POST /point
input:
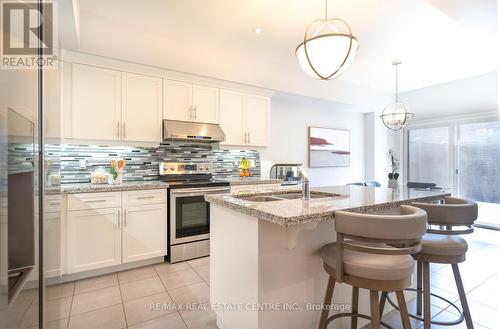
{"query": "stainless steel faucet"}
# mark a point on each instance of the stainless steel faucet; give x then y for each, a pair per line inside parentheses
(306, 191)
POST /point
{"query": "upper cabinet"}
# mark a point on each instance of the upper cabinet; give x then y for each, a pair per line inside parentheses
(141, 108)
(257, 120)
(232, 117)
(244, 118)
(111, 105)
(96, 103)
(190, 102)
(178, 98)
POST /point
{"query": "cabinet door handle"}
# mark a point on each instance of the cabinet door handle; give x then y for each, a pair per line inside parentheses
(94, 201)
(145, 197)
(118, 129)
(249, 138)
(125, 218)
(119, 218)
(123, 130)
(195, 113)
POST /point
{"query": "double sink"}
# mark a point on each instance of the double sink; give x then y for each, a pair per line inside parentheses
(280, 196)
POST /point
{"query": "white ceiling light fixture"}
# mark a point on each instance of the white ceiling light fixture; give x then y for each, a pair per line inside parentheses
(396, 115)
(330, 49)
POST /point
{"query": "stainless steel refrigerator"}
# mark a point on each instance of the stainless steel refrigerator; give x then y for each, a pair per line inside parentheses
(30, 105)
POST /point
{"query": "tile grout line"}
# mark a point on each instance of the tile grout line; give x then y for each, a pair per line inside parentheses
(71, 305)
(123, 302)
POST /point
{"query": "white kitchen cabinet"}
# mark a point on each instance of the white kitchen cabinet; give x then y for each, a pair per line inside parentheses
(144, 232)
(244, 118)
(96, 103)
(205, 104)
(190, 102)
(53, 104)
(52, 239)
(141, 108)
(232, 116)
(111, 228)
(93, 239)
(177, 100)
(257, 120)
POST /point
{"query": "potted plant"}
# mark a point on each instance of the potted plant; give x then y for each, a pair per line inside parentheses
(393, 175)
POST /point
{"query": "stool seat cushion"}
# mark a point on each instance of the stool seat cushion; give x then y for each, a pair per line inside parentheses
(444, 245)
(370, 266)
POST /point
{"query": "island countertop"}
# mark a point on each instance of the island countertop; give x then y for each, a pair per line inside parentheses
(345, 197)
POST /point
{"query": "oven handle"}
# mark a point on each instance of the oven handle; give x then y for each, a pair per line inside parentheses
(200, 190)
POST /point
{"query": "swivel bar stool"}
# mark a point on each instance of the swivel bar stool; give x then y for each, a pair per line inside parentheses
(372, 252)
(441, 245)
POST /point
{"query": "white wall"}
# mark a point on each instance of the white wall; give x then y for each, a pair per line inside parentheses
(461, 97)
(378, 141)
(291, 115)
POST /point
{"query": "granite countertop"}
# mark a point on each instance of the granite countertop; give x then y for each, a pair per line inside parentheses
(345, 197)
(126, 186)
(249, 181)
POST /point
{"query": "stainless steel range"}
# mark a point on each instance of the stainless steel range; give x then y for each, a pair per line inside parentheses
(189, 213)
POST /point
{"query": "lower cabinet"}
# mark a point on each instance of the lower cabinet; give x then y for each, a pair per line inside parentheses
(52, 244)
(100, 234)
(144, 230)
(94, 239)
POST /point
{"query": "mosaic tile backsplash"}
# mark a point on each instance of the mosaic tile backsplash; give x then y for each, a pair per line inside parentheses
(142, 162)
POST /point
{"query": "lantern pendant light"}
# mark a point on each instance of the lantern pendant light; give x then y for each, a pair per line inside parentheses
(329, 50)
(396, 115)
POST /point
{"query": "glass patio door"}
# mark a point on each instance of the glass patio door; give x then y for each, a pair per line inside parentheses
(429, 156)
(463, 156)
(478, 168)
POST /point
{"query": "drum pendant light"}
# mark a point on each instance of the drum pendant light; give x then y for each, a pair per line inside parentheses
(329, 50)
(396, 115)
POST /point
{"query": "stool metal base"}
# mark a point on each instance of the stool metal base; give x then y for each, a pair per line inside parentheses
(421, 318)
(354, 315)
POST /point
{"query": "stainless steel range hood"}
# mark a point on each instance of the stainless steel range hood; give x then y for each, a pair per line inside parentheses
(192, 131)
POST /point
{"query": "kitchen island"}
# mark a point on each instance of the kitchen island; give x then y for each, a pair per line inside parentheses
(266, 271)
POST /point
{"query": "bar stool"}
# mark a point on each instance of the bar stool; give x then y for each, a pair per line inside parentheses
(441, 245)
(372, 252)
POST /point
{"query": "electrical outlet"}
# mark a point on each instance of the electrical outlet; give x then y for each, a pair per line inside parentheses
(82, 163)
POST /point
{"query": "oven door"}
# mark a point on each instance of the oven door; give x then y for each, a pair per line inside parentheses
(190, 213)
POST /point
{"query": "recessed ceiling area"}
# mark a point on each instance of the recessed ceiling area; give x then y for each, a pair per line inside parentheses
(435, 40)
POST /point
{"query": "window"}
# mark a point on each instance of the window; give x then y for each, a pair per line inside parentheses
(429, 159)
(479, 161)
(464, 156)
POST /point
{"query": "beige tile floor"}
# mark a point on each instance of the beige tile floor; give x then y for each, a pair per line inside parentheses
(481, 276)
(123, 300)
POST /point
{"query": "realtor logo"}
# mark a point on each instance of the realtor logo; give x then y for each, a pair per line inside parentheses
(28, 27)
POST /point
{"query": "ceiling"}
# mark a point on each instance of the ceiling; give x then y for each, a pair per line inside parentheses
(437, 40)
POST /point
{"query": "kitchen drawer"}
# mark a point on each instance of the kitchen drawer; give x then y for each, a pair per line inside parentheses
(144, 197)
(84, 201)
(52, 204)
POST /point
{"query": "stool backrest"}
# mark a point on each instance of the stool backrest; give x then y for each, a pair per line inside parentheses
(453, 212)
(379, 234)
(409, 225)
